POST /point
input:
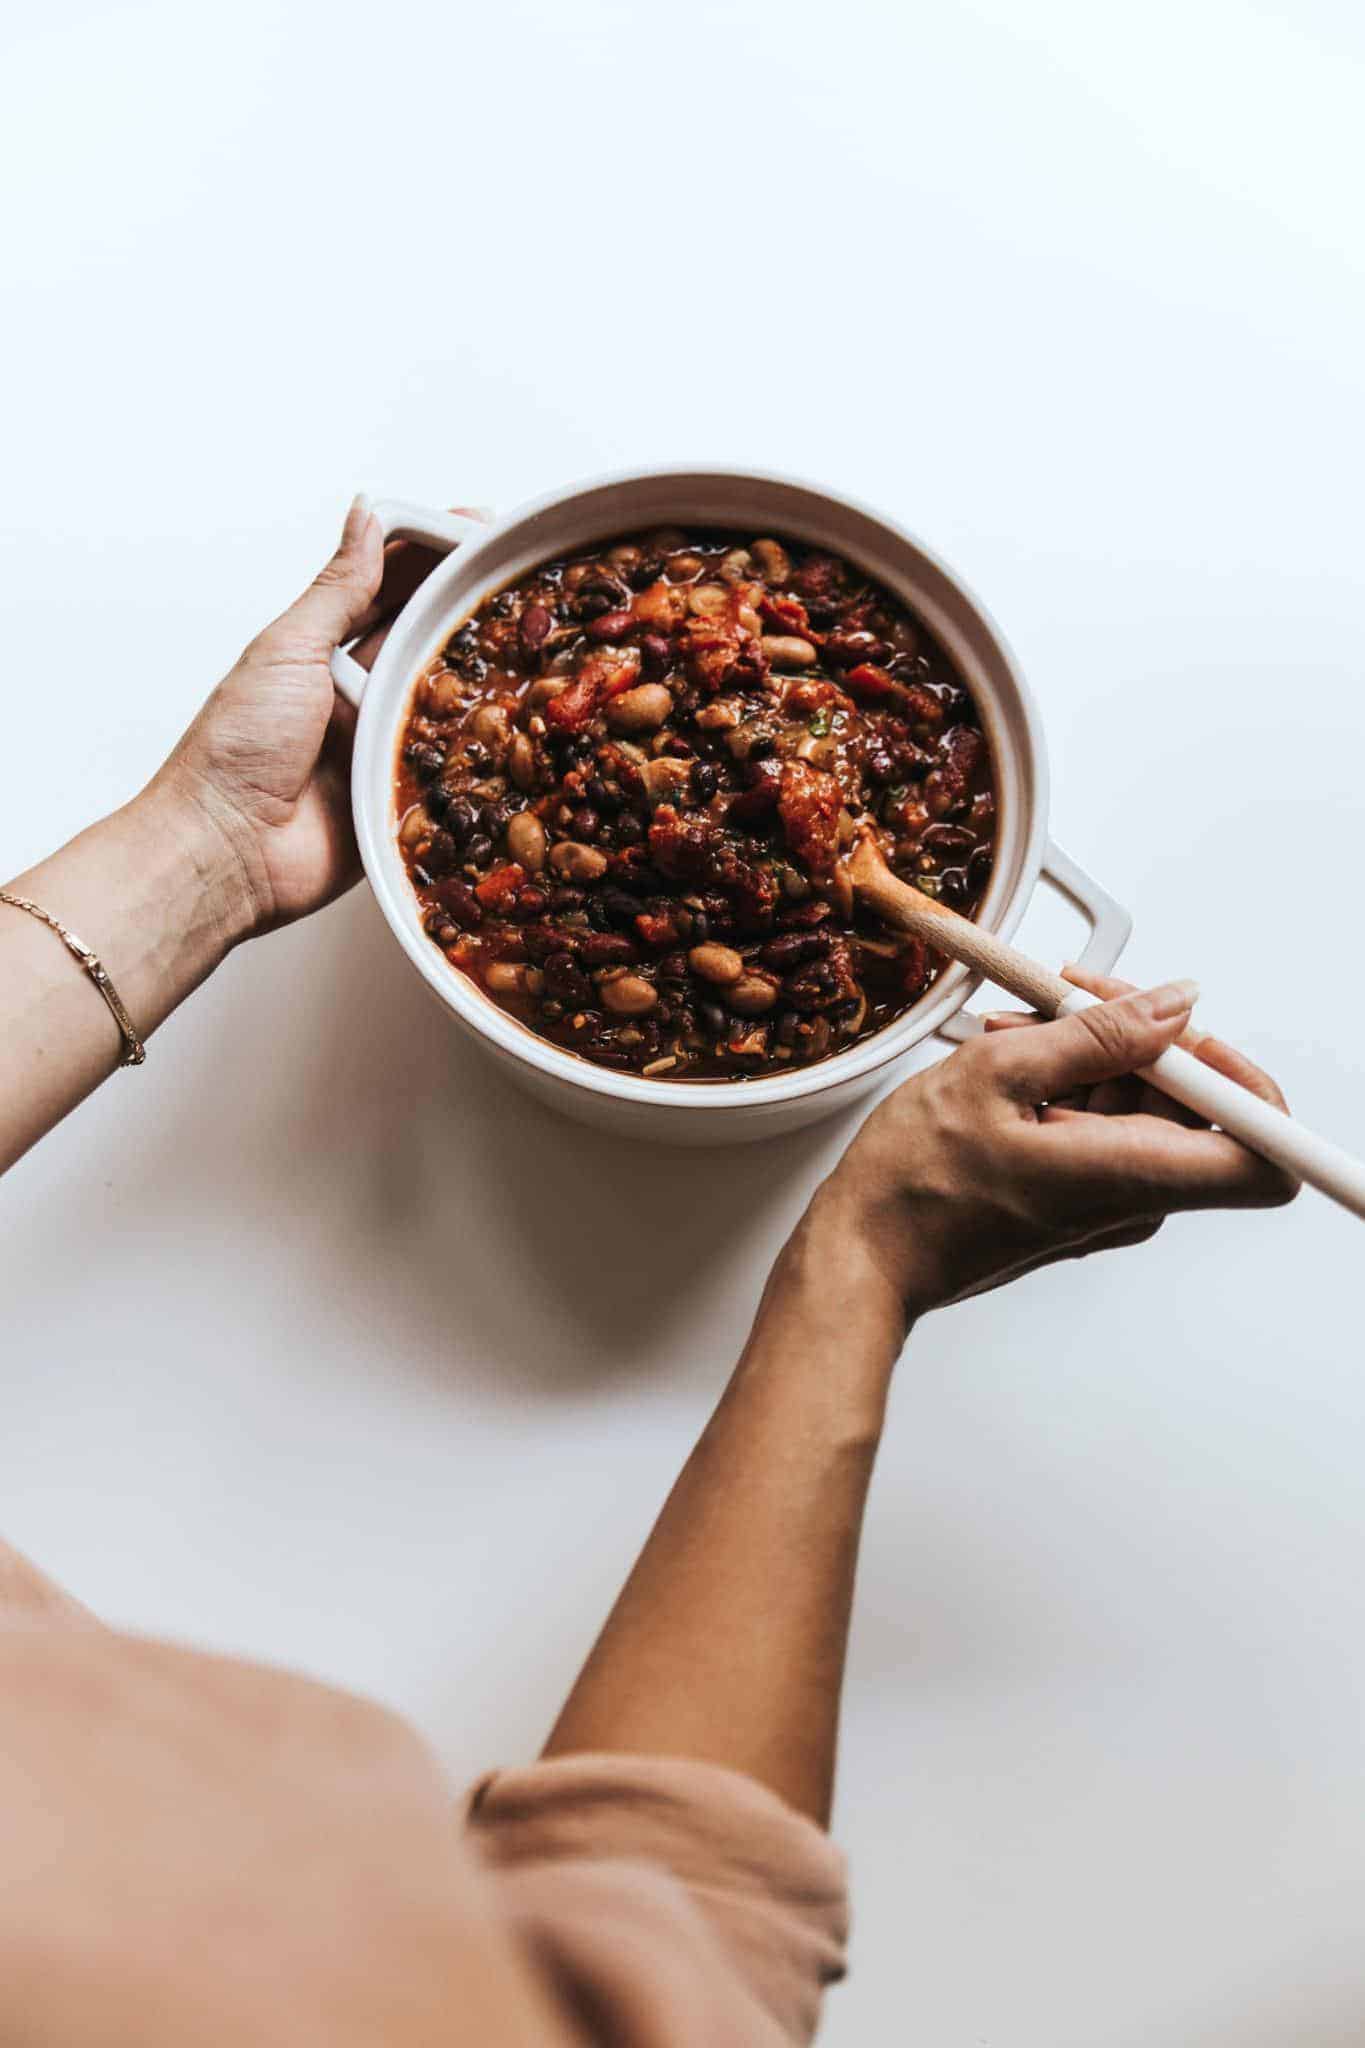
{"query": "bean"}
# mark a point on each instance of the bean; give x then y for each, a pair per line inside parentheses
(752, 994)
(611, 626)
(719, 964)
(787, 650)
(443, 694)
(510, 978)
(534, 625)
(460, 818)
(682, 567)
(774, 563)
(521, 761)
(491, 724)
(540, 693)
(565, 981)
(479, 850)
(948, 839)
(705, 780)
(657, 653)
(526, 841)
(721, 715)
(666, 779)
(785, 951)
(441, 855)
(628, 995)
(709, 600)
(415, 827)
(737, 566)
(712, 1019)
(642, 709)
(428, 761)
(606, 949)
(576, 863)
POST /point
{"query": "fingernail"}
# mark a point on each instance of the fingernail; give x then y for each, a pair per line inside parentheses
(1172, 999)
(357, 512)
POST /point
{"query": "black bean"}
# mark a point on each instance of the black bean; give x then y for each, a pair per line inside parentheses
(701, 927)
(880, 766)
(705, 780)
(567, 899)
(713, 1019)
(599, 917)
(619, 908)
(566, 981)
(585, 822)
(629, 830)
(442, 854)
(492, 818)
(761, 748)
(426, 759)
(479, 850)
(953, 886)
(460, 819)
(788, 1024)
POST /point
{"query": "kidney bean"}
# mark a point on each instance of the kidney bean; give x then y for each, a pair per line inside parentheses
(606, 949)
(948, 839)
(459, 901)
(705, 780)
(790, 948)
(800, 916)
(534, 626)
(656, 653)
(610, 626)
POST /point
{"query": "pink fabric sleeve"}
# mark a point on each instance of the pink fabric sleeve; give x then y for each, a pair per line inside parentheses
(670, 1904)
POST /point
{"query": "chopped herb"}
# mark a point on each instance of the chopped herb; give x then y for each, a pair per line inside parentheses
(926, 884)
(819, 724)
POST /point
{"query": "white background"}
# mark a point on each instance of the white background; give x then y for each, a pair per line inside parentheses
(322, 1343)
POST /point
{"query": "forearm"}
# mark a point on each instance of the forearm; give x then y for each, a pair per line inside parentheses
(154, 891)
(728, 1641)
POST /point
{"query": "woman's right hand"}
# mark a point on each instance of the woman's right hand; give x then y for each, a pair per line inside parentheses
(1039, 1143)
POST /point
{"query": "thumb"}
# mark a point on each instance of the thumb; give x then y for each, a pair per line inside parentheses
(343, 590)
(1095, 1044)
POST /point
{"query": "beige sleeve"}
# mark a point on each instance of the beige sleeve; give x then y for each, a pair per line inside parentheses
(668, 1902)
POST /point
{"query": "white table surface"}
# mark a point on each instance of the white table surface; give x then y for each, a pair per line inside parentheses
(319, 1341)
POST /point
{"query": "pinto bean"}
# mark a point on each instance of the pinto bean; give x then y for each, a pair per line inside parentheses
(512, 978)
(491, 725)
(627, 995)
(719, 964)
(443, 694)
(774, 563)
(787, 650)
(526, 841)
(415, 827)
(521, 761)
(752, 994)
(575, 863)
(642, 709)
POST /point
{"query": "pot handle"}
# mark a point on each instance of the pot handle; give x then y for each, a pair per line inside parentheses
(1110, 927)
(440, 530)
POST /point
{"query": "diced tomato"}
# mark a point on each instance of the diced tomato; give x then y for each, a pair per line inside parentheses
(657, 930)
(497, 890)
(872, 684)
(785, 614)
(574, 709)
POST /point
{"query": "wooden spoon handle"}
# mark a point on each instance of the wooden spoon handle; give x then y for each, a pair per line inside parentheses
(1247, 1117)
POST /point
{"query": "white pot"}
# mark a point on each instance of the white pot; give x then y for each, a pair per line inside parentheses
(484, 558)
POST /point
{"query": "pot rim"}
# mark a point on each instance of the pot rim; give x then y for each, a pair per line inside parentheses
(426, 621)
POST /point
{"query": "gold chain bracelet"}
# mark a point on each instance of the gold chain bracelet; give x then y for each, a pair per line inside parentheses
(135, 1052)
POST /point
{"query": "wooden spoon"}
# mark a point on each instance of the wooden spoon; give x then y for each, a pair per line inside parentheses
(1247, 1117)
